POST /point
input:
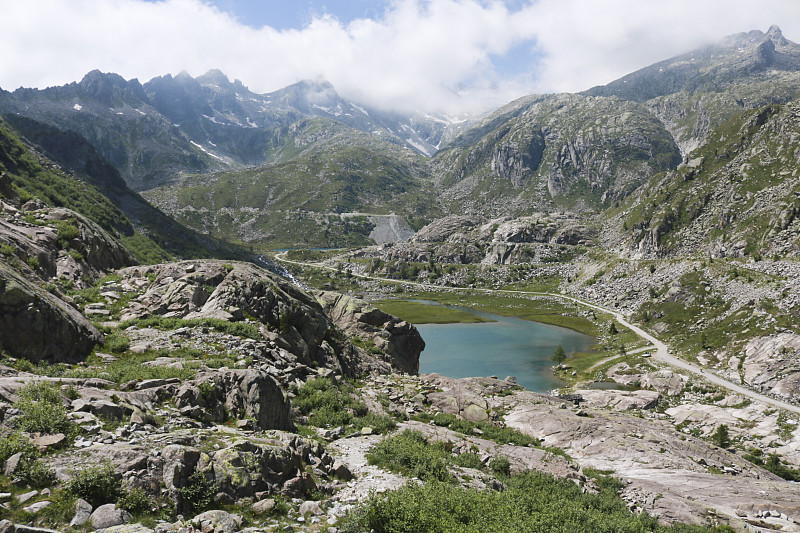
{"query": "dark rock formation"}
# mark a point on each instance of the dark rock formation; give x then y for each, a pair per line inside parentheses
(38, 326)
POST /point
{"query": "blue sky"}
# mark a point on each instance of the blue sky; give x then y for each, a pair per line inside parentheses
(285, 14)
(391, 54)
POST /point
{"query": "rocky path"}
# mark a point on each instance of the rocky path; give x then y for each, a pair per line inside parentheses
(661, 351)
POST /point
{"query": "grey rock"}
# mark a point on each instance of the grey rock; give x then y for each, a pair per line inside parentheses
(49, 441)
(310, 507)
(264, 506)
(27, 312)
(247, 393)
(83, 512)
(38, 506)
(22, 528)
(125, 528)
(6, 526)
(108, 515)
(249, 466)
(12, 464)
(179, 463)
(400, 340)
(217, 522)
(22, 498)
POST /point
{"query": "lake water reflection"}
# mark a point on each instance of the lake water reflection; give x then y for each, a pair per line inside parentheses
(507, 347)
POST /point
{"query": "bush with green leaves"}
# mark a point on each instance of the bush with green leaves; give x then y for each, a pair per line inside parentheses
(500, 465)
(97, 484)
(198, 493)
(135, 501)
(327, 403)
(31, 469)
(411, 454)
(41, 409)
(532, 502)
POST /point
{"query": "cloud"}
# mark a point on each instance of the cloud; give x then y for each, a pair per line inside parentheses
(586, 43)
(414, 55)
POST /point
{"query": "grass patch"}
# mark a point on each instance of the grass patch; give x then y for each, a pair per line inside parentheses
(487, 430)
(240, 329)
(421, 313)
(544, 310)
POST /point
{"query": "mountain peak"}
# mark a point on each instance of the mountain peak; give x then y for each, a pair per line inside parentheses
(775, 35)
(214, 77)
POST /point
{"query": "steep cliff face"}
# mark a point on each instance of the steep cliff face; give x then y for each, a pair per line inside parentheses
(736, 196)
(563, 150)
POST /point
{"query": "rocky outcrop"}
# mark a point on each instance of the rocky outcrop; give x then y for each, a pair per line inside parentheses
(246, 393)
(62, 245)
(769, 364)
(398, 340)
(446, 228)
(38, 326)
(232, 291)
(619, 400)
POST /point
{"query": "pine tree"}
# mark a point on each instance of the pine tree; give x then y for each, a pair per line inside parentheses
(559, 356)
(721, 437)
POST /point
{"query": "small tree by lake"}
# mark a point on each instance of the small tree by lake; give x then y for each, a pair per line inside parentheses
(559, 356)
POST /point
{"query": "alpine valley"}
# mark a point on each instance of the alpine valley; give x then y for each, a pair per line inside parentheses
(165, 369)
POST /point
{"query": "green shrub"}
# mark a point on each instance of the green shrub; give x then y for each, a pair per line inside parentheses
(66, 229)
(604, 480)
(198, 493)
(135, 501)
(97, 484)
(30, 470)
(208, 392)
(468, 460)
(41, 409)
(531, 502)
(33, 262)
(500, 465)
(411, 454)
(36, 474)
(330, 404)
(15, 442)
(117, 343)
(490, 431)
(76, 255)
(71, 392)
(8, 249)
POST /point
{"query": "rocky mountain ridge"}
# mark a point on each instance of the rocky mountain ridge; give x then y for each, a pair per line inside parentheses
(172, 125)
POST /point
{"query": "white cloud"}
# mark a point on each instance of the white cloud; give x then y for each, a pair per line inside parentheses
(587, 43)
(412, 56)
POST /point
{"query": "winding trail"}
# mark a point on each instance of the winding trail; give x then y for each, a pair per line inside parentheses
(661, 353)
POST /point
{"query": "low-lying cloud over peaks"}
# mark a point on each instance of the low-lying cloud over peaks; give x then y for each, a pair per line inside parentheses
(415, 55)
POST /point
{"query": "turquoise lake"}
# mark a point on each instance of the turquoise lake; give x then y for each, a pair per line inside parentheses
(507, 347)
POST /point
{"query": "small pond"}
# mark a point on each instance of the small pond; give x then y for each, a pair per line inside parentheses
(507, 347)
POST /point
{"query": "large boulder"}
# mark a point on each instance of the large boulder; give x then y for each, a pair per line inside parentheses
(246, 393)
(38, 326)
(248, 466)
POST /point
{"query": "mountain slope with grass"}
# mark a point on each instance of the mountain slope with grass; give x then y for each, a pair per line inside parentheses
(321, 196)
(737, 196)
